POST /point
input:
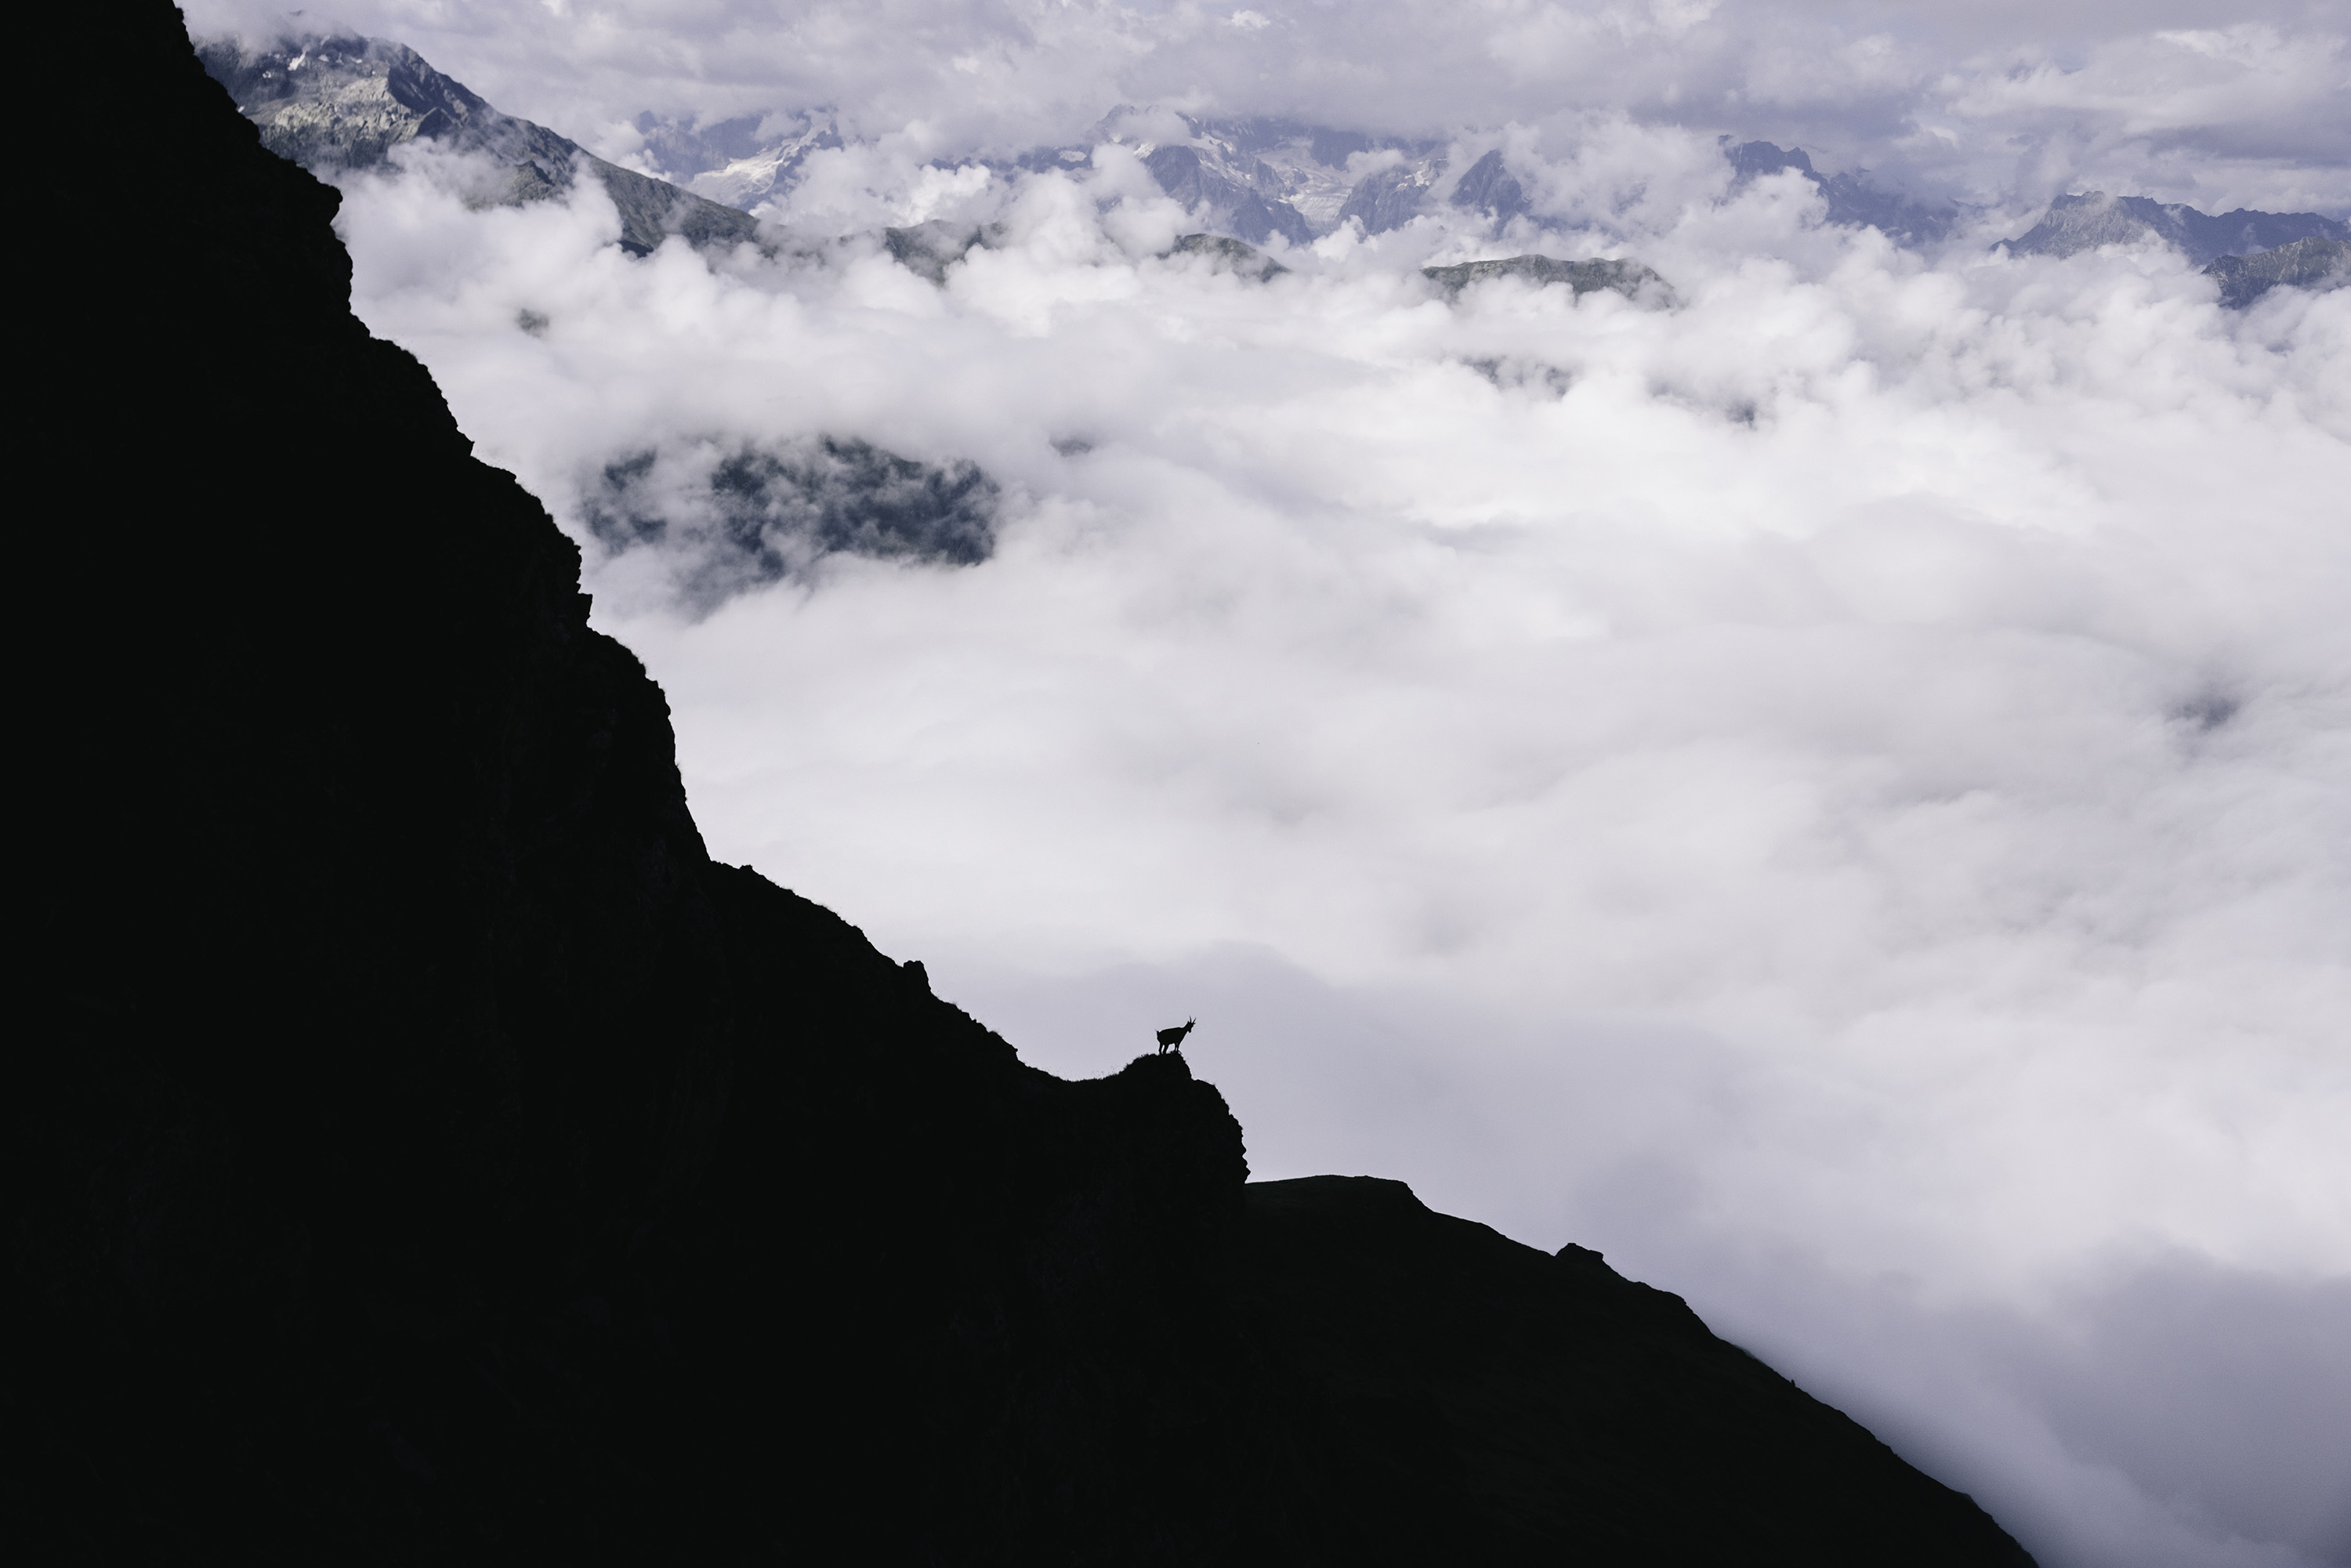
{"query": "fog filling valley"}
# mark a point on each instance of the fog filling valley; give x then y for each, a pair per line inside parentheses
(1828, 780)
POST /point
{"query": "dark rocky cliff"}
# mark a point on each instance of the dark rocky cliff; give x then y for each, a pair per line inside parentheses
(421, 1151)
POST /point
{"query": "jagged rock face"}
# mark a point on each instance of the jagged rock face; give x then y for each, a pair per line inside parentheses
(2318, 265)
(1201, 187)
(1390, 198)
(728, 162)
(1753, 160)
(346, 103)
(1615, 274)
(427, 1154)
(2090, 219)
(350, 100)
(1488, 186)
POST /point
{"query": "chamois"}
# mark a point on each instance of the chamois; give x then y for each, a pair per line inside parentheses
(1173, 1038)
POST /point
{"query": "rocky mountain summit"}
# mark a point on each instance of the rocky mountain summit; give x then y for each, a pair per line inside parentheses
(2088, 219)
(347, 102)
(424, 1151)
(2228, 247)
(1851, 200)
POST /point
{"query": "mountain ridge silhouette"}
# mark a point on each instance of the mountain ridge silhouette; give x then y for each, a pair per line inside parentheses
(426, 1152)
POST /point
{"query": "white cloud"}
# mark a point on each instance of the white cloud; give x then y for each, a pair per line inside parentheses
(1835, 792)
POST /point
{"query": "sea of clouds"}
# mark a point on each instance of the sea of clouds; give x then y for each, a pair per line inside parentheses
(1836, 790)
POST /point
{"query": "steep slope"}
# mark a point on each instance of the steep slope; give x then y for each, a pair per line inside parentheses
(1202, 185)
(424, 1152)
(1573, 1409)
(1488, 186)
(345, 102)
(429, 1147)
(1392, 197)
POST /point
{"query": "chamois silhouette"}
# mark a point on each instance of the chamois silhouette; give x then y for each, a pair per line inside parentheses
(1173, 1038)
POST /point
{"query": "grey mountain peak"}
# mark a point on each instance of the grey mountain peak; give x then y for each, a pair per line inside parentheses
(740, 163)
(1851, 199)
(2085, 220)
(342, 101)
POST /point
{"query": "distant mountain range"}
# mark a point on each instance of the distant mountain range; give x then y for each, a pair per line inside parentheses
(2092, 218)
(1261, 177)
(2246, 252)
(346, 103)
(1851, 199)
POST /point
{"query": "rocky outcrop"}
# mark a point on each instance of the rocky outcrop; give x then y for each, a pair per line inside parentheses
(1219, 254)
(1390, 198)
(347, 102)
(1616, 274)
(731, 516)
(928, 249)
(2089, 219)
(423, 1151)
(2318, 265)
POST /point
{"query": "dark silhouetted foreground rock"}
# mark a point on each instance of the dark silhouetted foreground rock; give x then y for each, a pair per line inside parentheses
(1551, 1407)
(422, 1152)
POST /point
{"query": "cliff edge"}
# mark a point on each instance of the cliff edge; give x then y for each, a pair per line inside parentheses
(424, 1151)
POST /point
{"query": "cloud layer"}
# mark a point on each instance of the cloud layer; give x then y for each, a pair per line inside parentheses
(1834, 791)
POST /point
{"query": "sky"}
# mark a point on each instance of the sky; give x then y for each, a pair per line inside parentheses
(1834, 790)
